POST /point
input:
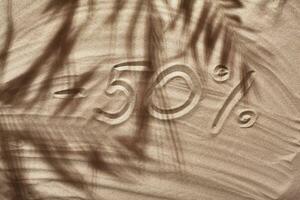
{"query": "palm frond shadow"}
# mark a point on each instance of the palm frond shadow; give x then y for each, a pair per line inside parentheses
(9, 36)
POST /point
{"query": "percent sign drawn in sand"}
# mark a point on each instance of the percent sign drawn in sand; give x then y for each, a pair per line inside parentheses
(159, 79)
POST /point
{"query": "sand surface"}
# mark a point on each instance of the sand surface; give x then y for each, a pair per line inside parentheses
(138, 106)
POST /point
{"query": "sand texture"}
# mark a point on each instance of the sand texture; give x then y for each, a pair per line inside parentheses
(149, 100)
